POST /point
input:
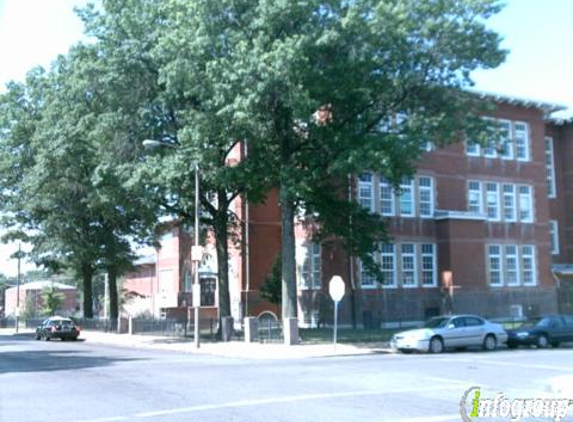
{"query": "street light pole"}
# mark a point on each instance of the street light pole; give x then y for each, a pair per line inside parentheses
(196, 251)
(195, 261)
(18, 288)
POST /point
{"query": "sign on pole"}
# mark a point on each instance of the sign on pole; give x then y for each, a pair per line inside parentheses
(336, 290)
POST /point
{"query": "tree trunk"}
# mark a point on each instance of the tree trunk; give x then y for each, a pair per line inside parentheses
(221, 240)
(113, 302)
(289, 302)
(87, 274)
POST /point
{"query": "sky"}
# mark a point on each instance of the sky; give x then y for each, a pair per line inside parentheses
(537, 33)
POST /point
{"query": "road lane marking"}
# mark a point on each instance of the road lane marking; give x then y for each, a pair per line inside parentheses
(439, 418)
(110, 419)
(286, 399)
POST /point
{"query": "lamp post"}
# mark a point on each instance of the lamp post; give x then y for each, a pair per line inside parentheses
(196, 251)
(18, 288)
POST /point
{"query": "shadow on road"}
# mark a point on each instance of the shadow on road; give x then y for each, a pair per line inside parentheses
(60, 359)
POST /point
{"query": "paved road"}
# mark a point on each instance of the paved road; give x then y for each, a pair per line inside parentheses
(81, 382)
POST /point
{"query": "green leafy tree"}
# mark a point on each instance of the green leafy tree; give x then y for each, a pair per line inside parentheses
(326, 89)
(52, 300)
(271, 289)
(30, 305)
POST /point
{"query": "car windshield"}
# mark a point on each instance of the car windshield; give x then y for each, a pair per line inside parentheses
(536, 322)
(438, 322)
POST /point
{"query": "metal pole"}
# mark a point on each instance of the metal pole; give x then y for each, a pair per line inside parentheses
(335, 323)
(18, 289)
(196, 263)
(247, 266)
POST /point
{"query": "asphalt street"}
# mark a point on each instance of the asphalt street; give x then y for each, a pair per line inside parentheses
(82, 382)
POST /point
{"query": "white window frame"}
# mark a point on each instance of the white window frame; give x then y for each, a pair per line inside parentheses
(479, 191)
(514, 255)
(363, 186)
(526, 198)
(367, 280)
(532, 257)
(433, 256)
(429, 191)
(508, 190)
(554, 236)
(473, 149)
(506, 146)
(407, 186)
(311, 272)
(390, 257)
(499, 257)
(527, 144)
(384, 185)
(494, 205)
(404, 268)
(550, 167)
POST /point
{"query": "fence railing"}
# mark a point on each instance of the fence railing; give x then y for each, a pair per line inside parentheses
(270, 331)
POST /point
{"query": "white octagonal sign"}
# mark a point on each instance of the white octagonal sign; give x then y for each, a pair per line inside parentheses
(336, 288)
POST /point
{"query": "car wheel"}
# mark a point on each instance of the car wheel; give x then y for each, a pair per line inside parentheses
(542, 341)
(405, 351)
(38, 336)
(436, 345)
(63, 339)
(47, 337)
(490, 343)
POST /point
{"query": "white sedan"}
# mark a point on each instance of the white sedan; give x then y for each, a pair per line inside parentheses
(452, 331)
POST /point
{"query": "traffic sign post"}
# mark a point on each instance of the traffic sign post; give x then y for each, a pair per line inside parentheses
(336, 289)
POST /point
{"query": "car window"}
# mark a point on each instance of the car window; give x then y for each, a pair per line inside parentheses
(473, 321)
(438, 322)
(568, 320)
(458, 322)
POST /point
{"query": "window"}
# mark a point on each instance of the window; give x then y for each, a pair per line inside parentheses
(426, 188)
(365, 191)
(474, 197)
(554, 236)
(506, 145)
(407, 208)
(494, 265)
(387, 203)
(521, 141)
(311, 267)
(367, 279)
(511, 266)
(388, 265)
(492, 195)
(550, 167)
(509, 203)
(528, 265)
(188, 281)
(525, 204)
(473, 149)
(409, 273)
(208, 290)
(429, 278)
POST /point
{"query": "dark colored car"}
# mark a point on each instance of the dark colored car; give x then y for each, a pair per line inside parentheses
(542, 332)
(58, 327)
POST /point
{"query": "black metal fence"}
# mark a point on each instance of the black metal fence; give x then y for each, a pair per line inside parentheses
(270, 331)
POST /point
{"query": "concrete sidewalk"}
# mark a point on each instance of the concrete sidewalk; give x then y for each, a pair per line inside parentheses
(232, 349)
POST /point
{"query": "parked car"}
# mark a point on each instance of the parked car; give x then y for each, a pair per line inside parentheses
(542, 332)
(452, 331)
(57, 327)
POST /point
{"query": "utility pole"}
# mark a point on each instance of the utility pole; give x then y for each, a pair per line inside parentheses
(18, 289)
